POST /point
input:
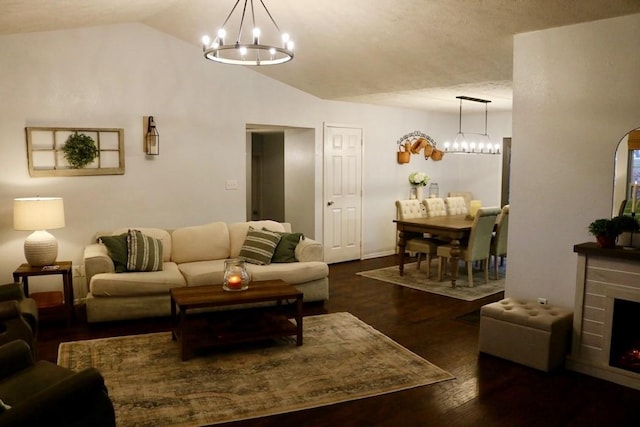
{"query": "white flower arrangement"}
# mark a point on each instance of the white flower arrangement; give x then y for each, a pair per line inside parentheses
(419, 178)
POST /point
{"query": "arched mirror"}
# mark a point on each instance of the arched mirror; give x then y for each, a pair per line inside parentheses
(627, 172)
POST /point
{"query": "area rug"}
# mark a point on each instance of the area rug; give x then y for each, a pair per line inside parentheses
(342, 359)
(417, 279)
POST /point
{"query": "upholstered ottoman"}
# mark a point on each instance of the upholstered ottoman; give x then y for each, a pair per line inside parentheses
(526, 332)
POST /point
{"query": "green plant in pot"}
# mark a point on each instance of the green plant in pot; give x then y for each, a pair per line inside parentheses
(79, 150)
(606, 231)
(628, 226)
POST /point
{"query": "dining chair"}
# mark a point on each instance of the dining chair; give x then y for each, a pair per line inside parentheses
(477, 248)
(411, 209)
(456, 206)
(434, 207)
(466, 195)
(498, 248)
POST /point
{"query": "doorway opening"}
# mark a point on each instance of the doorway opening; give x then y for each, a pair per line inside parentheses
(281, 171)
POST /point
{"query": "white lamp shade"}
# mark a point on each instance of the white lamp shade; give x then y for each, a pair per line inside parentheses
(38, 213)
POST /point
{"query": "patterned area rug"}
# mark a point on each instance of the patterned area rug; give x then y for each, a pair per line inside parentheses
(417, 279)
(341, 359)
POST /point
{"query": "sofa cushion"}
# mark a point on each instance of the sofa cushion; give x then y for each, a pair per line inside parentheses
(292, 273)
(201, 273)
(157, 233)
(238, 233)
(286, 249)
(259, 246)
(200, 243)
(144, 253)
(117, 247)
(137, 283)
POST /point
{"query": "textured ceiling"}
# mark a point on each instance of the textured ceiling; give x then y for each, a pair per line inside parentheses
(406, 53)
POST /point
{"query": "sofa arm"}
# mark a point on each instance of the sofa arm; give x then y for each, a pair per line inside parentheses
(96, 260)
(78, 400)
(309, 250)
(14, 356)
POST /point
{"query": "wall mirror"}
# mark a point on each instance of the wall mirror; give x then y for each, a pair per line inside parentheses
(626, 169)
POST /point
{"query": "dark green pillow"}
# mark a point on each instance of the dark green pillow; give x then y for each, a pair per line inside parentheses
(144, 252)
(286, 249)
(117, 247)
(259, 246)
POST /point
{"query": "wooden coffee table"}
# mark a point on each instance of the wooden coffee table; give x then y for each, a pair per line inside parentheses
(196, 329)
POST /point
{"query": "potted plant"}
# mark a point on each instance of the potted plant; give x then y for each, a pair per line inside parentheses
(606, 231)
(627, 225)
(79, 150)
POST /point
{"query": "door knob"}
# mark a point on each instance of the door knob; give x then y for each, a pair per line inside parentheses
(330, 203)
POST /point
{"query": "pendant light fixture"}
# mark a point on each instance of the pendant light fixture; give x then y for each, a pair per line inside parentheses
(251, 46)
(472, 143)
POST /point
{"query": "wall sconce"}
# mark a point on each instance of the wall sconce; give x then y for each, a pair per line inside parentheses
(151, 137)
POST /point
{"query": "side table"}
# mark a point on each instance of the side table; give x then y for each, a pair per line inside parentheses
(63, 268)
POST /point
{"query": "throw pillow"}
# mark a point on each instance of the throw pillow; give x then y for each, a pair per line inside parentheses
(259, 246)
(117, 247)
(144, 252)
(286, 249)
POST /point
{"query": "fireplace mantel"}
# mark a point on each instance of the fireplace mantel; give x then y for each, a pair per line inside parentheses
(603, 275)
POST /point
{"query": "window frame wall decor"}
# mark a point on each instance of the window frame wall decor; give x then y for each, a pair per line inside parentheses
(46, 156)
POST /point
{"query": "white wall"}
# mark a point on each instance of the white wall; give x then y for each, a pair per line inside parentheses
(112, 76)
(576, 94)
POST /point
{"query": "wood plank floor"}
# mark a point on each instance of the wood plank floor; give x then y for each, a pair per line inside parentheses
(487, 391)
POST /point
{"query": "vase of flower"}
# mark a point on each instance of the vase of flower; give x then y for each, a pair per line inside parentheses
(418, 180)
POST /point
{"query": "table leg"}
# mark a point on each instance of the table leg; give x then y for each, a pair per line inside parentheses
(68, 296)
(184, 348)
(455, 256)
(299, 321)
(401, 245)
(174, 319)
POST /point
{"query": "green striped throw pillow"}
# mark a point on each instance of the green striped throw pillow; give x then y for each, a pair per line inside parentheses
(144, 252)
(259, 246)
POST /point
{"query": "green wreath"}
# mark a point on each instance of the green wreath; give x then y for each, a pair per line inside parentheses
(80, 150)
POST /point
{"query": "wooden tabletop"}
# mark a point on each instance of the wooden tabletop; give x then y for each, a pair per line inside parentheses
(214, 295)
(448, 222)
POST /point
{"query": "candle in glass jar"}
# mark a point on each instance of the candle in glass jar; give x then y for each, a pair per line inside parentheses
(234, 281)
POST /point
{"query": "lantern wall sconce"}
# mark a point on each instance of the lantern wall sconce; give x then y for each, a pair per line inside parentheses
(151, 137)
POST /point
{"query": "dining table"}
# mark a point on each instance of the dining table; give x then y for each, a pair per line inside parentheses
(453, 228)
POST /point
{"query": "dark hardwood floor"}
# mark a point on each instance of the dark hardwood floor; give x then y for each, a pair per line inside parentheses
(487, 391)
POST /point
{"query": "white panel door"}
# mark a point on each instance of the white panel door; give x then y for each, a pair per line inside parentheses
(342, 193)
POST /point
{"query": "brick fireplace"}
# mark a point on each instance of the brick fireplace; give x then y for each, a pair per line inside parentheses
(606, 322)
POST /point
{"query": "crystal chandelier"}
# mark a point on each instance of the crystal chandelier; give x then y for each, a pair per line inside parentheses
(253, 49)
(472, 143)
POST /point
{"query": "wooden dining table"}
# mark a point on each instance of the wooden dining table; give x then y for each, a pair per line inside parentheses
(451, 227)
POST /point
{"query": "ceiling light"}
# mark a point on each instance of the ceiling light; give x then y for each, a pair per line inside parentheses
(473, 143)
(252, 47)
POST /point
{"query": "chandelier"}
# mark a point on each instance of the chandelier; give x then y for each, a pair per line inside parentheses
(472, 143)
(248, 48)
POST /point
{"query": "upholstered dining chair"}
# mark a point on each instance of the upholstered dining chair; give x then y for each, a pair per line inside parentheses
(434, 207)
(498, 248)
(410, 209)
(477, 249)
(456, 206)
(466, 195)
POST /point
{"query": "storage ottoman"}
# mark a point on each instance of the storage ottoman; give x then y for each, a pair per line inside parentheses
(526, 332)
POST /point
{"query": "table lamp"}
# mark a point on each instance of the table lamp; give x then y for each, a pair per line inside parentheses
(38, 214)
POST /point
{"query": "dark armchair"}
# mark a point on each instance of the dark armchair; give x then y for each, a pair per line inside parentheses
(18, 316)
(43, 393)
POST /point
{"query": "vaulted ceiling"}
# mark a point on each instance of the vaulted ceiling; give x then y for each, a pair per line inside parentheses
(406, 53)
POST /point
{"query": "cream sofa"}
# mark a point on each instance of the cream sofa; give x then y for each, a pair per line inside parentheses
(193, 256)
